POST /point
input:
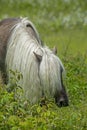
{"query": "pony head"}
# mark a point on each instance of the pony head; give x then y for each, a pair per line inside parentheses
(50, 73)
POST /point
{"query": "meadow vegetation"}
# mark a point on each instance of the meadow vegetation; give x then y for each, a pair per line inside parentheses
(61, 23)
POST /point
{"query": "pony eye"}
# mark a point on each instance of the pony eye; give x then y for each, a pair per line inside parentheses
(28, 25)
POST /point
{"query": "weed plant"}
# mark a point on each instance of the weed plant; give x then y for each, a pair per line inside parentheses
(18, 114)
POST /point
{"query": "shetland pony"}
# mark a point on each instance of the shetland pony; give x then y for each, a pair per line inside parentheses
(22, 50)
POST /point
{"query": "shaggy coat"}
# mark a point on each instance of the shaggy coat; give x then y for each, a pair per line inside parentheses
(21, 49)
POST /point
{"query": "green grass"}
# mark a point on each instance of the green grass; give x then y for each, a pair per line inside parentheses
(71, 40)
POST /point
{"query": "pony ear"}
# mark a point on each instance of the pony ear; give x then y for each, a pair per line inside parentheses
(54, 50)
(39, 57)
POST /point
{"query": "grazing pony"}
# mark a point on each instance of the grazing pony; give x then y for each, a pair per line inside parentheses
(22, 50)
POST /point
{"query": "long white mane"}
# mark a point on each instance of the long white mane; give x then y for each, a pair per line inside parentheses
(38, 77)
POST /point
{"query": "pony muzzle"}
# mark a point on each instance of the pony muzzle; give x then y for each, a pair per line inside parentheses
(63, 103)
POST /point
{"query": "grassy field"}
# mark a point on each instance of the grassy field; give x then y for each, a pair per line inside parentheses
(73, 40)
(61, 23)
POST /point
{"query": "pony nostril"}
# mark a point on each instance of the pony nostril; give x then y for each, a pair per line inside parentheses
(63, 103)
